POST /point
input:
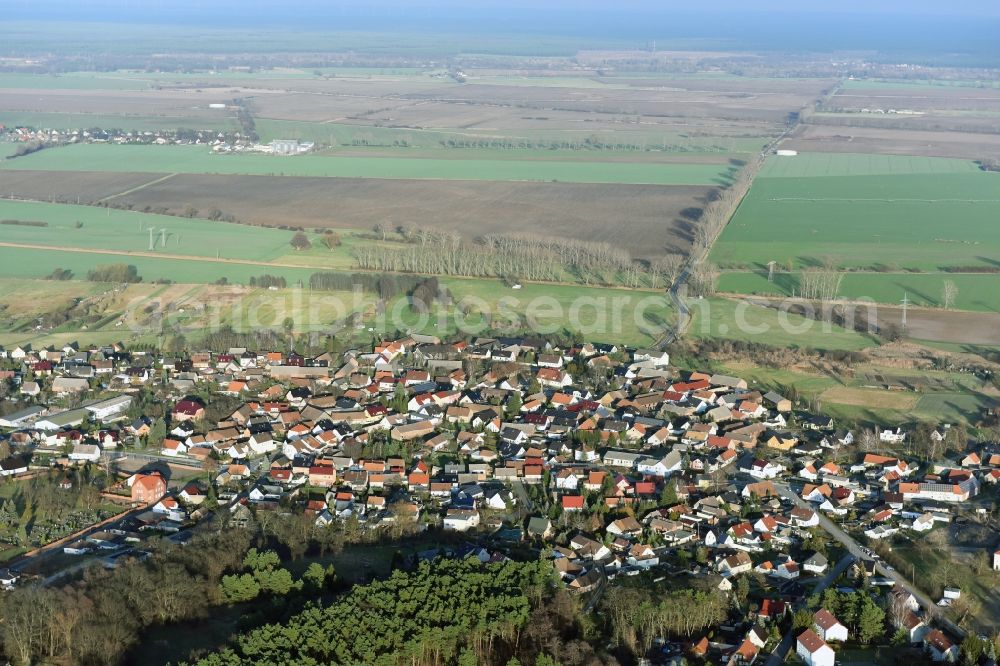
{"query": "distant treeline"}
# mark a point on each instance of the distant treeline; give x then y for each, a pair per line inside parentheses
(114, 273)
(386, 286)
(246, 120)
(60, 274)
(267, 281)
(27, 149)
(24, 223)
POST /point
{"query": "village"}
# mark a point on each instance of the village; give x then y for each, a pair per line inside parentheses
(611, 463)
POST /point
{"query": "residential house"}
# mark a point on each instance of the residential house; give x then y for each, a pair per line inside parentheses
(940, 647)
(828, 627)
(813, 650)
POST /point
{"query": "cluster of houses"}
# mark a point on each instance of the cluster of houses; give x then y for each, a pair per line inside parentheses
(490, 434)
(51, 136)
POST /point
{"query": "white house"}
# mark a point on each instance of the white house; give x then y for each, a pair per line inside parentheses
(668, 464)
(626, 459)
(85, 453)
(815, 564)
(828, 627)
(734, 564)
(813, 649)
(105, 410)
(171, 508)
(461, 520)
(173, 448)
(764, 469)
(892, 435)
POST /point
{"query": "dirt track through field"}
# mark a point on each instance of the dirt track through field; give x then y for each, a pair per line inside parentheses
(151, 255)
(139, 187)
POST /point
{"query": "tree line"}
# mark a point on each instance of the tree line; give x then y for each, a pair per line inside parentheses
(125, 273)
(520, 256)
(97, 619)
(386, 286)
(637, 616)
(446, 611)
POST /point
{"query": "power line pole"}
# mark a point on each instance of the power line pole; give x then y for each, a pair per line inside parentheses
(770, 271)
(905, 302)
(151, 239)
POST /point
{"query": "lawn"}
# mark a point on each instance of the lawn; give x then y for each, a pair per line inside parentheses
(740, 320)
(199, 159)
(892, 219)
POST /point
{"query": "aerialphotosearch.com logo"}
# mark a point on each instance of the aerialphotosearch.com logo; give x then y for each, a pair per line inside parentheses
(609, 317)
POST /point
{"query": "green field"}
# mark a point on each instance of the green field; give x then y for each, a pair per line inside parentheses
(121, 230)
(977, 292)
(732, 320)
(37, 263)
(198, 159)
(72, 81)
(893, 219)
(916, 84)
(824, 165)
(147, 123)
(961, 403)
(613, 315)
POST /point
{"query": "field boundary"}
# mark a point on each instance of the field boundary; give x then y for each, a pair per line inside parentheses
(139, 187)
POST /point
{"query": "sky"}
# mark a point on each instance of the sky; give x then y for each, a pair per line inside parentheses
(917, 26)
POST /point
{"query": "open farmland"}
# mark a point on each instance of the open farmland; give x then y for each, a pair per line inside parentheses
(90, 227)
(887, 141)
(198, 159)
(647, 220)
(976, 291)
(743, 320)
(913, 105)
(805, 208)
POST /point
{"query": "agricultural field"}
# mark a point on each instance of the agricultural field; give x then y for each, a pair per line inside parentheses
(742, 320)
(199, 159)
(648, 220)
(916, 106)
(70, 120)
(976, 291)
(880, 217)
(830, 138)
(866, 211)
(90, 227)
(625, 157)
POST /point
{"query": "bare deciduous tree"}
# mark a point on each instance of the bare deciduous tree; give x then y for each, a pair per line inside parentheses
(949, 292)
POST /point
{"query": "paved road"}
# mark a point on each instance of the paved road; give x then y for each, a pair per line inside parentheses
(788, 641)
(852, 547)
(683, 312)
